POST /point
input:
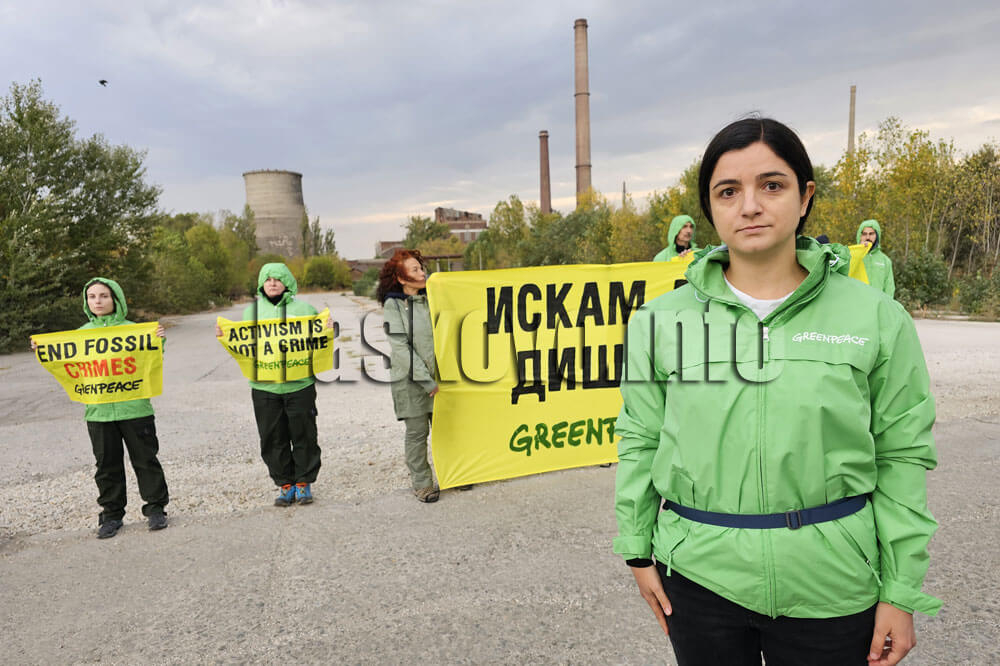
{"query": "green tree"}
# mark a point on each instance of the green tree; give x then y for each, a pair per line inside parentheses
(420, 229)
(326, 273)
(70, 209)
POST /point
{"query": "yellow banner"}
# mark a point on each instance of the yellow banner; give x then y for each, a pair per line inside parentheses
(857, 269)
(280, 350)
(101, 365)
(530, 361)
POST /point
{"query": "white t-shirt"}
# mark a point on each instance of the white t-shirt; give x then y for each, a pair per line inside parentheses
(760, 307)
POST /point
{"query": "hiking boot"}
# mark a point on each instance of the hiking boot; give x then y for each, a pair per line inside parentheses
(286, 496)
(108, 529)
(157, 521)
(427, 495)
(303, 493)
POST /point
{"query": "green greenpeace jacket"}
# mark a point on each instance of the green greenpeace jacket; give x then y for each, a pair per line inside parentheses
(877, 263)
(831, 400)
(676, 224)
(127, 409)
(286, 307)
(411, 339)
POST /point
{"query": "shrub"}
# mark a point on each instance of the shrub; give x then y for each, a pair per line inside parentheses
(922, 280)
(326, 273)
(365, 285)
(974, 293)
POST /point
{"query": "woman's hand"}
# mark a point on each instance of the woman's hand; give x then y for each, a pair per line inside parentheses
(897, 625)
(161, 332)
(651, 589)
(329, 322)
(434, 392)
(218, 331)
(34, 345)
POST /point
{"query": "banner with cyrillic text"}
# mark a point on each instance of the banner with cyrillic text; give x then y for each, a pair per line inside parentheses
(101, 365)
(279, 350)
(530, 360)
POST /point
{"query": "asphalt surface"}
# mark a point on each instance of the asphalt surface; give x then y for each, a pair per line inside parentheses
(519, 571)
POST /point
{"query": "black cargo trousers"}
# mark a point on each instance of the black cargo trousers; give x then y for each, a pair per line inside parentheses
(139, 437)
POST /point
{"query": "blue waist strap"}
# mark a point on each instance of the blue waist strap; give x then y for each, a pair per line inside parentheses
(793, 520)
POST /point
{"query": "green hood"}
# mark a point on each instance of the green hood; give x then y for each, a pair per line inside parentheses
(818, 259)
(676, 225)
(279, 272)
(878, 232)
(121, 309)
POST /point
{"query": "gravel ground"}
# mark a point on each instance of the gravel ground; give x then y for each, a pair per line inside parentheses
(511, 572)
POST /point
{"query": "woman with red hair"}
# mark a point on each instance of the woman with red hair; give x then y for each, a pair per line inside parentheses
(403, 297)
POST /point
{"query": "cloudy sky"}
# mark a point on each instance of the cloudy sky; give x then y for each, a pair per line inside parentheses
(392, 108)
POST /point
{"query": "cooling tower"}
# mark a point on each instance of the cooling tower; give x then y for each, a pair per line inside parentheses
(275, 197)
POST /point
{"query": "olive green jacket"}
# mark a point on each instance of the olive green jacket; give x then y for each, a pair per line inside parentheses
(412, 342)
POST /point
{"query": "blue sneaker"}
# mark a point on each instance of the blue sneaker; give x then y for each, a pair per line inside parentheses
(303, 493)
(286, 497)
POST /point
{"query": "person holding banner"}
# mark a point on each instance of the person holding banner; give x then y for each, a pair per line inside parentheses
(285, 411)
(130, 422)
(786, 432)
(401, 291)
(680, 239)
(878, 266)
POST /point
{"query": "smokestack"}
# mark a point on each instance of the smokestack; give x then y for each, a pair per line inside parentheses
(850, 124)
(582, 96)
(543, 160)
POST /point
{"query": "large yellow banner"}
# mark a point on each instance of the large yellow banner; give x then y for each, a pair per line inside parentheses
(280, 350)
(101, 365)
(530, 360)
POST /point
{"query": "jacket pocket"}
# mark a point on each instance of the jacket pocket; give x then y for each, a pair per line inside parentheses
(671, 530)
(859, 533)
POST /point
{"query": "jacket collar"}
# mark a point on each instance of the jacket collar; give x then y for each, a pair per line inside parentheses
(402, 296)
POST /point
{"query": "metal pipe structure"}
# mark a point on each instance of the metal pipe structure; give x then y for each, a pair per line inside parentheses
(850, 123)
(582, 97)
(545, 202)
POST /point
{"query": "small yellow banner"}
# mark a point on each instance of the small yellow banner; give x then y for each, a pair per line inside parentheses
(101, 365)
(857, 269)
(530, 361)
(280, 350)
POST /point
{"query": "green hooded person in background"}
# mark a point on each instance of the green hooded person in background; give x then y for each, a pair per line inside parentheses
(877, 264)
(680, 239)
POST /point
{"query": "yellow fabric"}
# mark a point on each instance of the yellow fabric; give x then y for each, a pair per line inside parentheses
(487, 425)
(857, 270)
(102, 365)
(276, 350)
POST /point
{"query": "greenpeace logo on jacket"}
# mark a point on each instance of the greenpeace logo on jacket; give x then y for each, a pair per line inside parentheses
(832, 339)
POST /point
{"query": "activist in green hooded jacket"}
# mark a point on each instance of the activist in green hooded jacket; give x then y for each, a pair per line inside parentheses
(285, 306)
(676, 224)
(877, 263)
(113, 411)
(831, 400)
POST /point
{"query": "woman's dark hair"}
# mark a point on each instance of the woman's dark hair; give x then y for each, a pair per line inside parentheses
(742, 133)
(388, 276)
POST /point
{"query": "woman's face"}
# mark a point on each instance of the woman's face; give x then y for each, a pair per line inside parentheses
(273, 287)
(99, 299)
(755, 201)
(412, 274)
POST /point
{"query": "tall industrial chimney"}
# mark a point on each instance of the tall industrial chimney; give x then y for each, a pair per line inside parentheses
(543, 159)
(275, 197)
(850, 123)
(582, 96)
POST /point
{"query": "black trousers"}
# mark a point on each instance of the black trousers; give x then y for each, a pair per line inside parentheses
(288, 439)
(708, 629)
(139, 436)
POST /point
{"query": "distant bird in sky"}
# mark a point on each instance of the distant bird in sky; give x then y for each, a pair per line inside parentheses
(104, 82)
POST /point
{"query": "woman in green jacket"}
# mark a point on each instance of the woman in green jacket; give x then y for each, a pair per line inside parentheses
(792, 458)
(401, 291)
(114, 424)
(680, 239)
(878, 266)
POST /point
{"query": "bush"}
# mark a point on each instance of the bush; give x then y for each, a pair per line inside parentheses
(365, 285)
(974, 293)
(325, 273)
(922, 280)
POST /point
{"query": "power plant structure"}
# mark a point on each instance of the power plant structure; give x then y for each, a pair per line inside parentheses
(543, 160)
(582, 97)
(275, 197)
